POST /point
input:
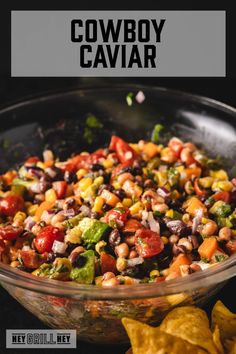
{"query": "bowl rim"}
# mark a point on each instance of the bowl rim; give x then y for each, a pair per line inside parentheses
(206, 278)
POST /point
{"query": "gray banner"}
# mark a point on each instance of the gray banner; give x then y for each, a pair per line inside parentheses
(192, 43)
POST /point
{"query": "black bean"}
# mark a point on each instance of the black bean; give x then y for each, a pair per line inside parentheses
(24, 269)
(94, 215)
(97, 167)
(120, 193)
(70, 177)
(69, 203)
(131, 271)
(77, 260)
(106, 207)
(44, 185)
(54, 173)
(137, 171)
(194, 240)
(114, 238)
(51, 257)
(149, 184)
(178, 227)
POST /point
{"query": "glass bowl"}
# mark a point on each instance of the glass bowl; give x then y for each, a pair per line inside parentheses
(57, 121)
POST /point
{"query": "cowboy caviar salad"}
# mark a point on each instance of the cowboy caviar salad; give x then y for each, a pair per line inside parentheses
(125, 214)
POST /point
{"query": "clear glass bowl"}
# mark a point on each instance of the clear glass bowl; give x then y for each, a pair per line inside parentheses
(57, 121)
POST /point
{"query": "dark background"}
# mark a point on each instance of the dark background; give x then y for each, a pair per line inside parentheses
(12, 315)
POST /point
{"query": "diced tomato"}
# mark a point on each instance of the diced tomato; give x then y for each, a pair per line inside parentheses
(123, 150)
(60, 187)
(11, 204)
(224, 196)
(10, 232)
(32, 160)
(44, 240)
(117, 214)
(31, 259)
(160, 279)
(108, 263)
(200, 192)
(131, 226)
(83, 161)
(148, 243)
(176, 145)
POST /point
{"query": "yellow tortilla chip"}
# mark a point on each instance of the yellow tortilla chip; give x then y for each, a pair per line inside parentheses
(230, 345)
(190, 324)
(225, 320)
(217, 341)
(149, 340)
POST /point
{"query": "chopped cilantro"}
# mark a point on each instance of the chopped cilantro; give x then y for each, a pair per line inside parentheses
(129, 98)
(155, 133)
(224, 210)
(93, 122)
(220, 257)
(205, 260)
(88, 135)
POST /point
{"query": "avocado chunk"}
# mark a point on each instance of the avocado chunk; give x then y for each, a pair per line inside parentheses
(94, 233)
(85, 274)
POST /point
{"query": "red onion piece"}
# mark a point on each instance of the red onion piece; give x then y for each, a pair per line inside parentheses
(85, 210)
(135, 261)
(59, 247)
(163, 192)
(197, 221)
(140, 97)
(153, 224)
(29, 223)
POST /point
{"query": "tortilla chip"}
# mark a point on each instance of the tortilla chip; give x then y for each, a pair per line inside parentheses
(217, 341)
(225, 320)
(177, 299)
(230, 345)
(190, 324)
(149, 340)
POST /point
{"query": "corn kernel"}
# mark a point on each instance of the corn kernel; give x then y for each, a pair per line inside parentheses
(98, 204)
(98, 181)
(107, 163)
(99, 247)
(31, 210)
(186, 218)
(175, 194)
(135, 147)
(204, 221)
(20, 216)
(180, 168)
(50, 195)
(116, 185)
(164, 240)
(85, 183)
(81, 173)
(40, 164)
(226, 186)
(206, 182)
(220, 174)
(154, 273)
(127, 202)
(134, 209)
(98, 280)
(170, 213)
(233, 233)
(14, 264)
(121, 264)
(74, 235)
